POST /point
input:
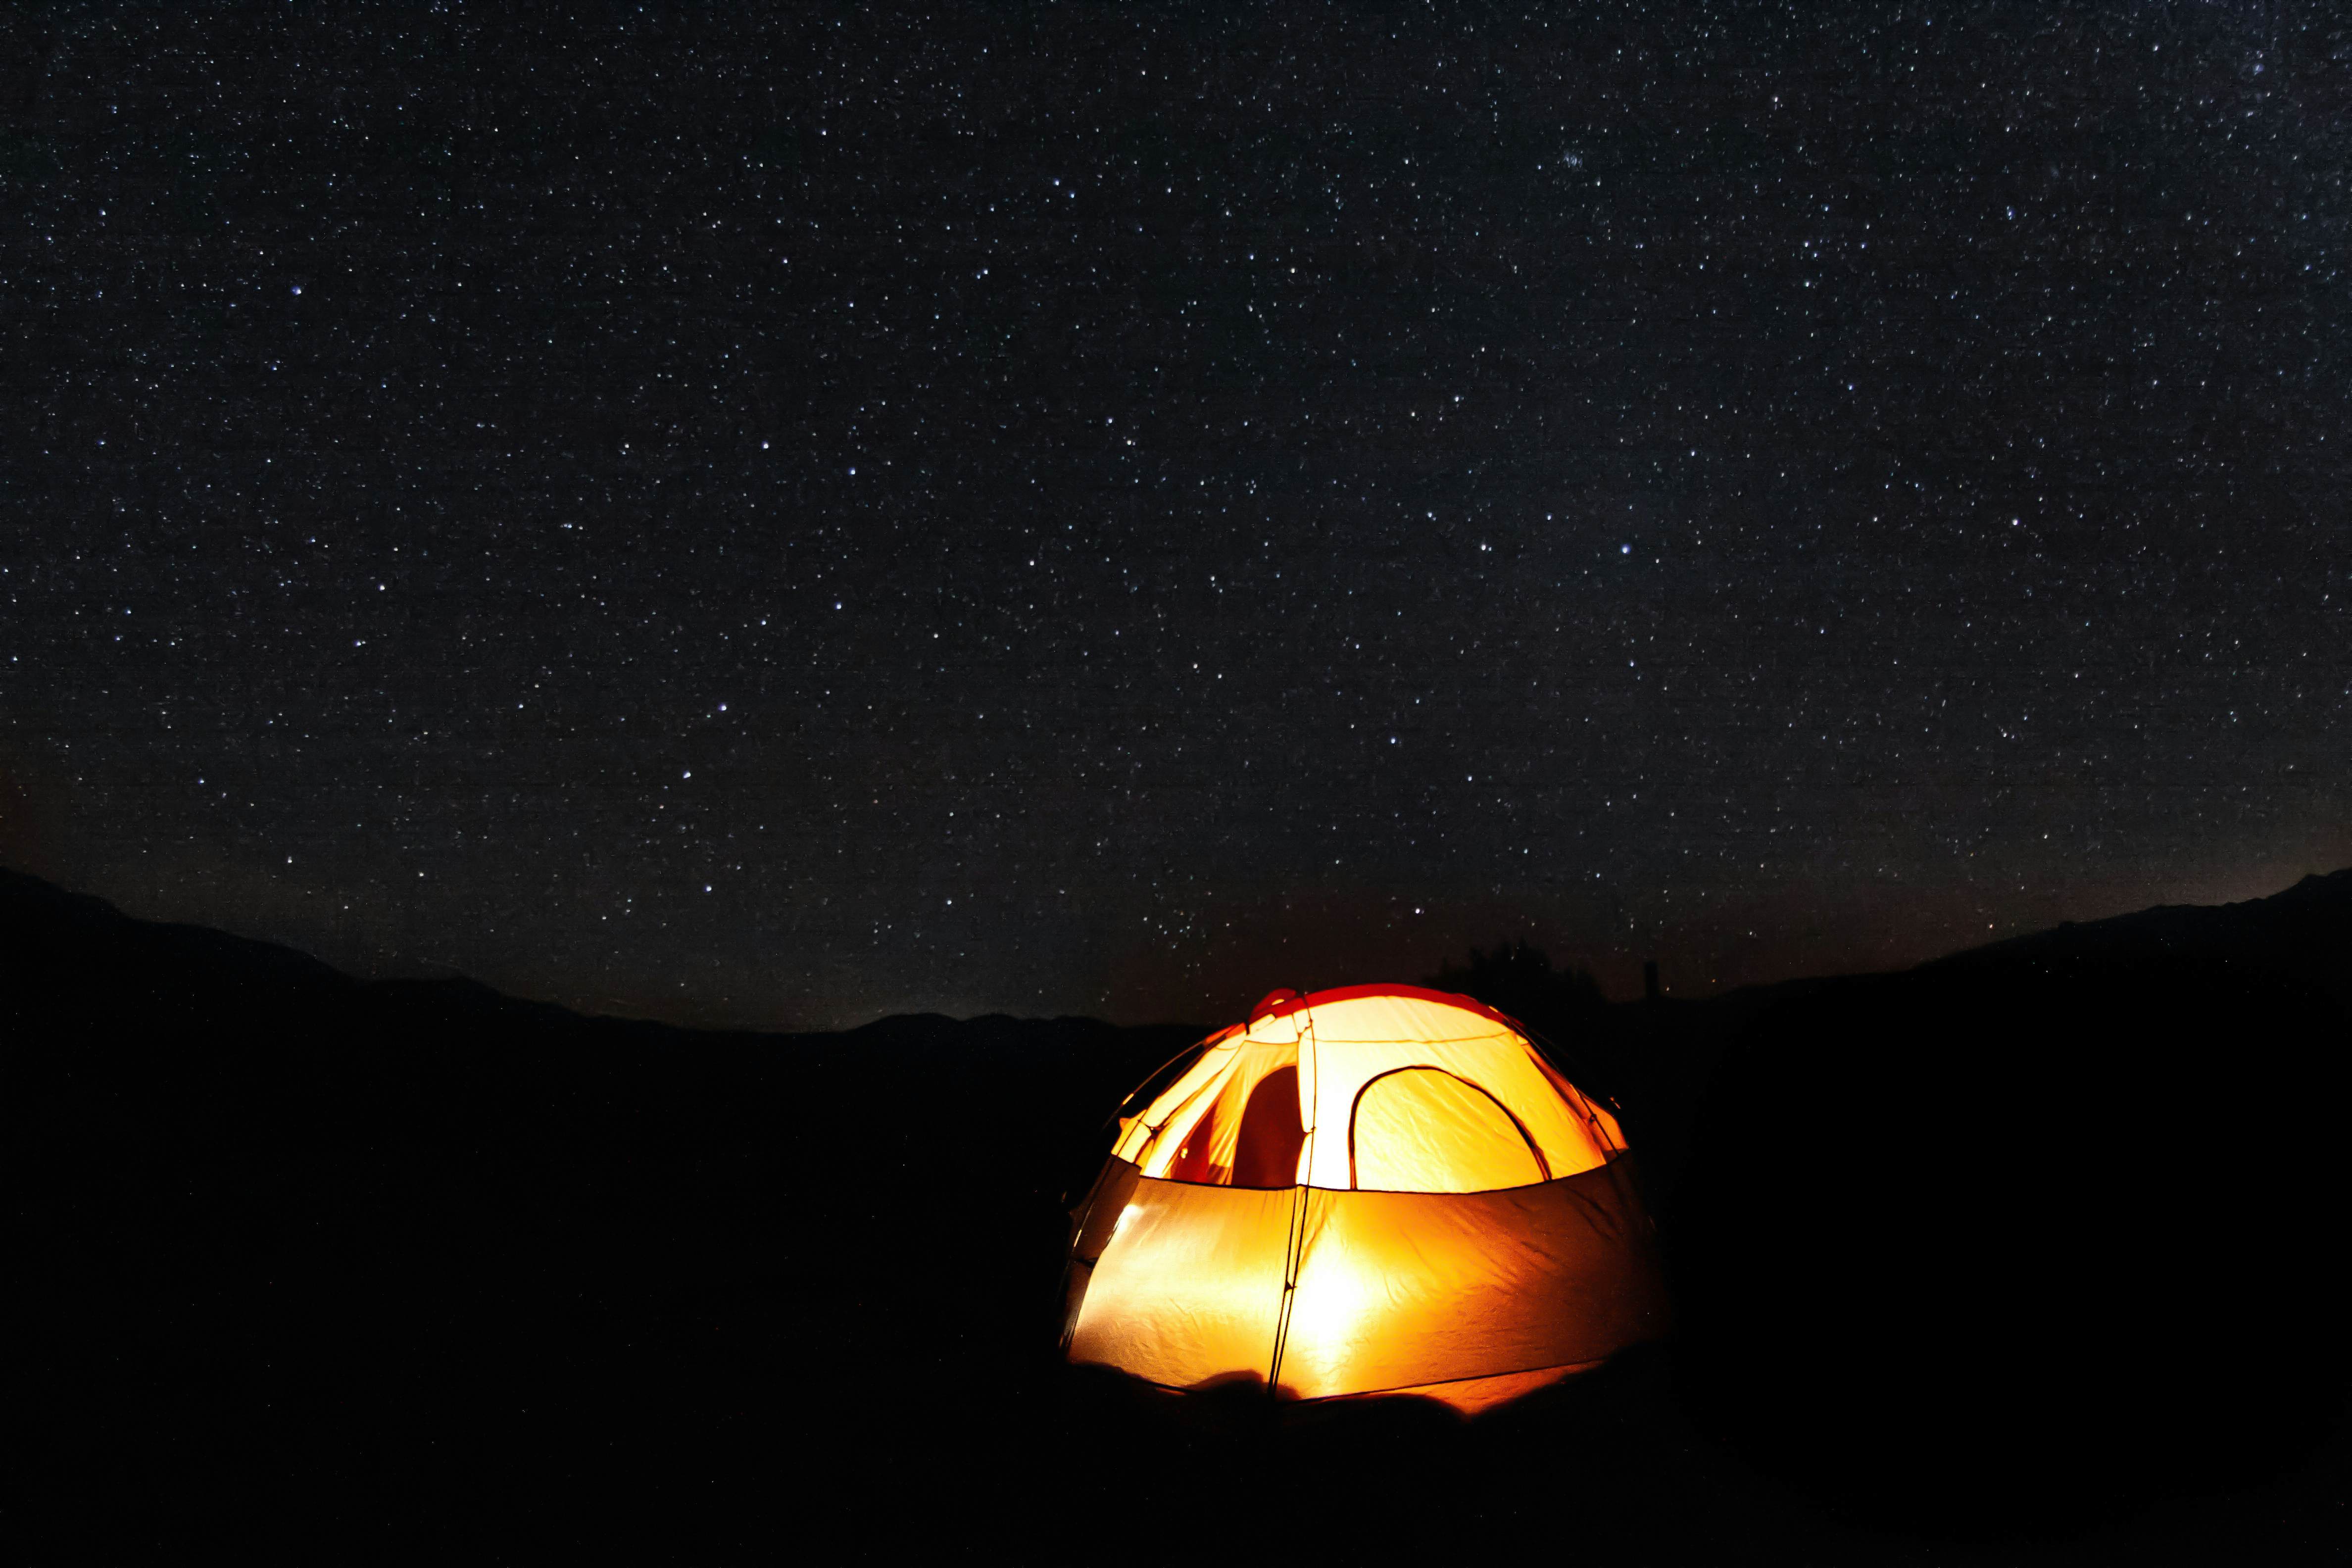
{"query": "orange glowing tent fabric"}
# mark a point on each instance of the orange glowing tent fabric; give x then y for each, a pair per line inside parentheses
(1378, 1189)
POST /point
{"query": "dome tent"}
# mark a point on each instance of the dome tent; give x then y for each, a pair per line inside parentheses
(1376, 1189)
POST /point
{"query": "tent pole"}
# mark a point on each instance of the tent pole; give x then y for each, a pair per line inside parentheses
(1295, 1237)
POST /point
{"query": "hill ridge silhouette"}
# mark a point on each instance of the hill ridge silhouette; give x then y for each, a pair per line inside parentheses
(300, 1249)
(2303, 929)
(33, 908)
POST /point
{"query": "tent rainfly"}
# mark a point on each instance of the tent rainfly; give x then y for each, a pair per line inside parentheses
(1377, 1189)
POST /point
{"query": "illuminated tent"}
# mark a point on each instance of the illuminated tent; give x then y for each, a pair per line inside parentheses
(1379, 1189)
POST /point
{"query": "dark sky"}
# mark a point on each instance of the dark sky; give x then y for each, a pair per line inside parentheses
(779, 516)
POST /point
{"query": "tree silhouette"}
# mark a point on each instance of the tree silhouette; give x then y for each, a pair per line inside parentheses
(1563, 1007)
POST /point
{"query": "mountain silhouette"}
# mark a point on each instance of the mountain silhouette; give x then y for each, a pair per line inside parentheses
(2034, 1227)
(2304, 933)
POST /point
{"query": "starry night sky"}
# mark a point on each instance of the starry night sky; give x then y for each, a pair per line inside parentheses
(777, 517)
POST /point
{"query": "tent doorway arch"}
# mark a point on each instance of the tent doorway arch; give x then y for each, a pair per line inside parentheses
(1425, 1130)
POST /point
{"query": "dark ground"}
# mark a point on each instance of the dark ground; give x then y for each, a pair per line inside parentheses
(2027, 1256)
